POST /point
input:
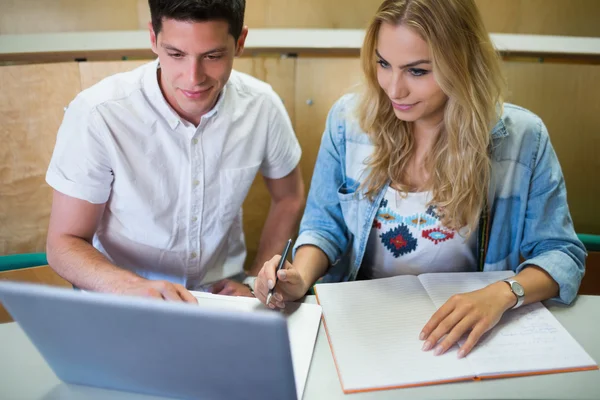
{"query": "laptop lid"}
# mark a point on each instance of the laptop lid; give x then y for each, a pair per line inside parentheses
(154, 347)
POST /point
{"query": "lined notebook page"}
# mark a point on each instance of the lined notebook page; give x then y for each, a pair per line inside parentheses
(528, 339)
(373, 329)
(303, 322)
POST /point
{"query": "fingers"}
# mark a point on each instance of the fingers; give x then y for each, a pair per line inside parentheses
(162, 290)
(473, 312)
(245, 291)
(286, 285)
(290, 276)
(265, 279)
(443, 328)
(169, 292)
(478, 331)
(269, 267)
(462, 327)
(217, 287)
(277, 301)
(260, 286)
(436, 318)
(228, 289)
(287, 278)
(185, 294)
(152, 292)
(259, 292)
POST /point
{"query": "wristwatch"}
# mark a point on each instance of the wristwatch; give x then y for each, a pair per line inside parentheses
(249, 281)
(518, 291)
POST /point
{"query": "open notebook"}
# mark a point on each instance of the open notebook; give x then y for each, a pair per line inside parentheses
(373, 329)
(303, 325)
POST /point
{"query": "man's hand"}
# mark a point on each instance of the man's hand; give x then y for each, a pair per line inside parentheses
(158, 289)
(228, 287)
(477, 312)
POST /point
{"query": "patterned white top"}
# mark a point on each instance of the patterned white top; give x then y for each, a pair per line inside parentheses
(408, 238)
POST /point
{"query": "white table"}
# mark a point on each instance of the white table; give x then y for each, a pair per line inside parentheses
(25, 375)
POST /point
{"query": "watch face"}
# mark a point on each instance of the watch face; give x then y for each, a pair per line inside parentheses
(517, 288)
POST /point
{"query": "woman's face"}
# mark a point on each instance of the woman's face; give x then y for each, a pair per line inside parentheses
(405, 73)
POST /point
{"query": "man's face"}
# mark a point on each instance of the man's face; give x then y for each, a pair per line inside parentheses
(196, 59)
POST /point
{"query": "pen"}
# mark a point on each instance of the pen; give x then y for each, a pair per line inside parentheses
(281, 264)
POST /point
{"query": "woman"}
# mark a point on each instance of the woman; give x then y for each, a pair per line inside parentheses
(427, 170)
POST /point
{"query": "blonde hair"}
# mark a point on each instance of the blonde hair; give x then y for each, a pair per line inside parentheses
(467, 69)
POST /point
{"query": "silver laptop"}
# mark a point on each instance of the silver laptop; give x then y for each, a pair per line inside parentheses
(154, 347)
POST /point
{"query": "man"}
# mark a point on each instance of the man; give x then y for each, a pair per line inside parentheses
(151, 167)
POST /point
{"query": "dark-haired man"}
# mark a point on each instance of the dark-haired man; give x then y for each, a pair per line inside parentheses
(151, 166)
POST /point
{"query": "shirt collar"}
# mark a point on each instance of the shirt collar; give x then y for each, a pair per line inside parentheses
(159, 102)
(499, 130)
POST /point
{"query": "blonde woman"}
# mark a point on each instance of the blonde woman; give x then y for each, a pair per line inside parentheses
(427, 170)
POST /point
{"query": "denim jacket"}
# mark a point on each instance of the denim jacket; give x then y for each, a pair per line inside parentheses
(527, 200)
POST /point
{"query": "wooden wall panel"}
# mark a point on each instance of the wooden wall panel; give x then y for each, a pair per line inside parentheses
(566, 97)
(544, 17)
(310, 13)
(319, 83)
(35, 16)
(41, 275)
(31, 110)
(276, 71)
(555, 17)
(500, 16)
(93, 72)
(143, 14)
(591, 280)
(347, 14)
(541, 17)
(560, 17)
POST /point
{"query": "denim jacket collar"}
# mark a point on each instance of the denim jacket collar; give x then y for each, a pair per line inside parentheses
(499, 131)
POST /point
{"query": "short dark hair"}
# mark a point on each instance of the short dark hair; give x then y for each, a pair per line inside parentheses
(231, 11)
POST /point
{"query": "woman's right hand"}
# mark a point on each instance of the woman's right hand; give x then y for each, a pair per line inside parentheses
(289, 286)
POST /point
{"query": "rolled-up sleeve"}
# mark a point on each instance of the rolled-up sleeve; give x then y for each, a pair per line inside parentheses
(549, 239)
(283, 151)
(80, 167)
(323, 222)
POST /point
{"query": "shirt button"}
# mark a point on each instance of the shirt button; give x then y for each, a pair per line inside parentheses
(195, 141)
(196, 182)
(194, 255)
(194, 219)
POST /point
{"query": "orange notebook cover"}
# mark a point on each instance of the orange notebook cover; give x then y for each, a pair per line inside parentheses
(373, 330)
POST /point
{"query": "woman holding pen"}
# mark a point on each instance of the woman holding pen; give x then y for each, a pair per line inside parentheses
(428, 170)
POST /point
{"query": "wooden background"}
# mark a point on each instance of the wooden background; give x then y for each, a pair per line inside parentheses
(544, 17)
(564, 93)
(33, 96)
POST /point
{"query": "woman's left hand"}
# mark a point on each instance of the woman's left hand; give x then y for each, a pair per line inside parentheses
(477, 311)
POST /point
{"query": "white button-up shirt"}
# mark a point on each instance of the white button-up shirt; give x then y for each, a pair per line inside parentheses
(173, 191)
